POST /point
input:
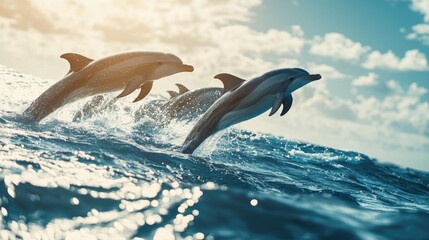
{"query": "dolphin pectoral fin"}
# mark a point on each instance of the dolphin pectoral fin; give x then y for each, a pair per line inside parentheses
(276, 104)
(138, 81)
(144, 91)
(229, 81)
(287, 104)
(131, 86)
(173, 94)
(182, 88)
(76, 61)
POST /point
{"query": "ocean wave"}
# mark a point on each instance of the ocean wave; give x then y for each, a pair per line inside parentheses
(111, 177)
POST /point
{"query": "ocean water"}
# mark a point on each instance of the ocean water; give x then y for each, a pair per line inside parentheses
(110, 177)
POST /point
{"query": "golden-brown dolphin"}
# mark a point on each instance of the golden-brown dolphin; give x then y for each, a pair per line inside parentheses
(125, 71)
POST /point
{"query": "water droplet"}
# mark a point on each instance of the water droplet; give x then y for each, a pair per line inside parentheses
(3, 211)
(199, 235)
(74, 201)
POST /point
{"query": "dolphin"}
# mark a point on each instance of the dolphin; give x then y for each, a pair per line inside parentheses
(243, 100)
(186, 105)
(86, 77)
(183, 105)
(191, 104)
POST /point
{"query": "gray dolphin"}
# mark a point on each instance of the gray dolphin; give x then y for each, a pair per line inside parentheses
(244, 100)
(191, 104)
(125, 71)
(183, 105)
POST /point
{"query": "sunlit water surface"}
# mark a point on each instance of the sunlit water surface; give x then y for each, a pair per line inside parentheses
(109, 177)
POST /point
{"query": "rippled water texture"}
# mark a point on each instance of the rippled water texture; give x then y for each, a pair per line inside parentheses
(109, 177)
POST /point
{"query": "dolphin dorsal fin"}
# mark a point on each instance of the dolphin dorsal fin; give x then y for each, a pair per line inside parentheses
(76, 61)
(182, 88)
(229, 81)
(173, 94)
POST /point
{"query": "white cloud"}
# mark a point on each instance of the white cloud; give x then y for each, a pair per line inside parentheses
(415, 90)
(395, 87)
(401, 111)
(368, 124)
(214, 38)
(394, 128)
(288, 63)
(366, 81)
(297, 30)
(245, 40)
(421, 31)
(336, 45)
(327, 72)
(413, 60)
(421, 6)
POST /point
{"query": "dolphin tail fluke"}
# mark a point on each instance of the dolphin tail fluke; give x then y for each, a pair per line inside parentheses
(144, 91)
(131, 86)
(287, 104)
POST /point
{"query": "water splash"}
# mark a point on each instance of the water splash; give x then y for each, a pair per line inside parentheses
(111, 177)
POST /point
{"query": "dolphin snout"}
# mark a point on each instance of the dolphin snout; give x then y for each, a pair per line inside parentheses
(187, 68)
(314, 77)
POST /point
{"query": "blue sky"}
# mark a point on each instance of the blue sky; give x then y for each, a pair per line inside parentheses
(372, 54)
(375, 23)
(383, 25)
